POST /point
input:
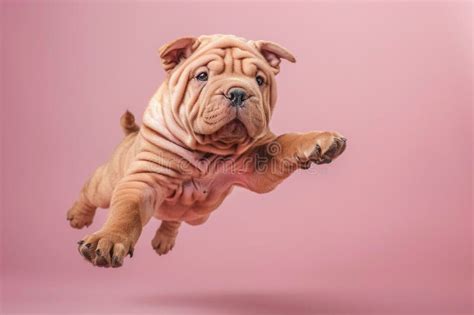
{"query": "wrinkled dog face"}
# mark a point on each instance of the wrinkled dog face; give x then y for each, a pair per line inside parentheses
(228, 85)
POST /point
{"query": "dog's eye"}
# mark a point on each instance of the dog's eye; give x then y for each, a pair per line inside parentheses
(260, 80)
(202, 76)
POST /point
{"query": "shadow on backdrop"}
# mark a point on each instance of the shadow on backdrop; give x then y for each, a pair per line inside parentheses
(275, 303)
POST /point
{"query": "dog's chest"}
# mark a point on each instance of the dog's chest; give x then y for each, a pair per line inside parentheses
(197, 190)
(195, 198)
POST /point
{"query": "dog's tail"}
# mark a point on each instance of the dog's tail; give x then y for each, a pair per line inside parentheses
(127, 121)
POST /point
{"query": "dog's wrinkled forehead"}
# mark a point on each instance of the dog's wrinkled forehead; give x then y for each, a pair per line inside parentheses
(267, 53)
(235, 60)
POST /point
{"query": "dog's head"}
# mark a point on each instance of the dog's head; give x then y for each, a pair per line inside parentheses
(221, 89)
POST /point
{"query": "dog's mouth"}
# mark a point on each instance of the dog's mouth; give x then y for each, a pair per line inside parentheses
(232, 132)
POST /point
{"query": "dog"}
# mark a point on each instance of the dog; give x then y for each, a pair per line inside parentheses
(205, 130)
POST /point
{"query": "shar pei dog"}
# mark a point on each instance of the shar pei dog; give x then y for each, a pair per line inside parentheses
(205, 130)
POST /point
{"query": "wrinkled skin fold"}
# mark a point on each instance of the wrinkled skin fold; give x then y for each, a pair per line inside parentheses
(205, 130)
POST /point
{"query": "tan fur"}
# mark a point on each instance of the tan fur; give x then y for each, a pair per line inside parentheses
(194, 146)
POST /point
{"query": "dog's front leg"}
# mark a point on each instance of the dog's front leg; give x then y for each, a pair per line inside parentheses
(133, 202)
(277, 159)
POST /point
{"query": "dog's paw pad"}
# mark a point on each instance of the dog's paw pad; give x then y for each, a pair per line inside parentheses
(329, 146)
(336, 148)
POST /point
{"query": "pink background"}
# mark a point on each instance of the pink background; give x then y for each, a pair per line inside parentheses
(387, 228)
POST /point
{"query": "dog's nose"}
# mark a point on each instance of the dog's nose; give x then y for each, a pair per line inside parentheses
(237, 96)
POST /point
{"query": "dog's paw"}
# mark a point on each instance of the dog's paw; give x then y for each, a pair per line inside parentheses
(106, 249)
(80, 215)
(322, 148)
(163, 243)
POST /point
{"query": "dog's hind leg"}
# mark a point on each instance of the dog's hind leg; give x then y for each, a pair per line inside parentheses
(95, 193)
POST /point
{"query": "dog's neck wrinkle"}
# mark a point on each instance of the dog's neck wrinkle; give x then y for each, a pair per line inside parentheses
(156, 132)
(206, 164)
(165, 141)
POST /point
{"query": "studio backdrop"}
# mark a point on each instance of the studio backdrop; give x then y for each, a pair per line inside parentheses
(387, 227)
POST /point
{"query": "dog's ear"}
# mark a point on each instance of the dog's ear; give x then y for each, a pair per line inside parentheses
(172, 53)
(273, 53)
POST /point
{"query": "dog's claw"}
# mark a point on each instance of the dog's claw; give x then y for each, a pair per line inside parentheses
(101, 262)
(306, 165)
(116, 262)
